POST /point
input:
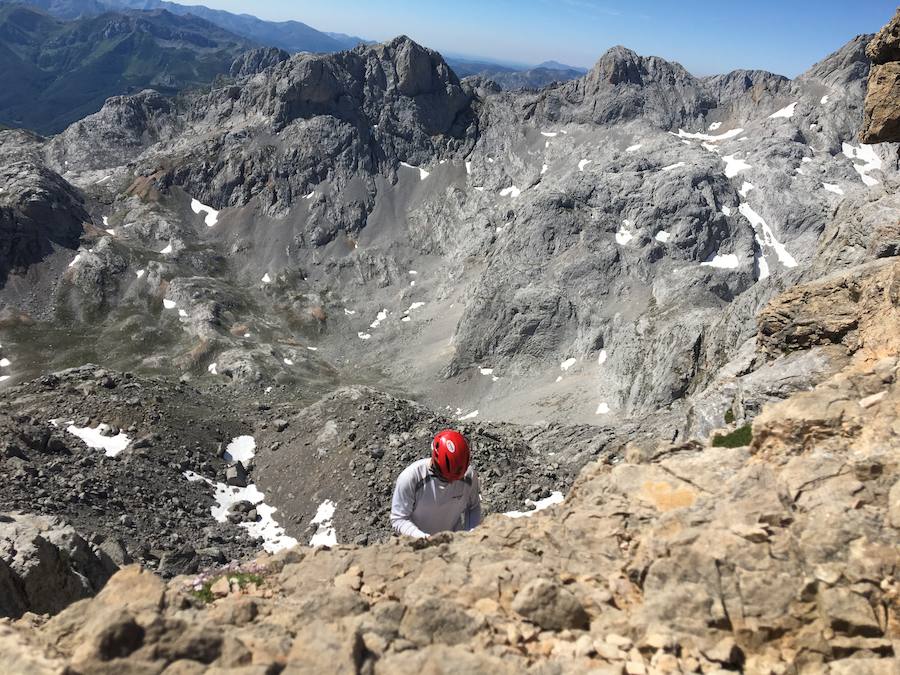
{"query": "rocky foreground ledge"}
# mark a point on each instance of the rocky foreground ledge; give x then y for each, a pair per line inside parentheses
(771, 549)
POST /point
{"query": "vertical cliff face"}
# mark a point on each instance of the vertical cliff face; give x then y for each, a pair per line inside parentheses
(882, 122)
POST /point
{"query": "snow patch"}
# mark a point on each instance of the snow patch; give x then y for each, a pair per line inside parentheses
(549, 134)
(866, 154)
(511, 191)
(623, 236)
(288, 362)
(468, 168)
(786, 112)
(349, 312)
(266, 528)
(182, 313)
(267, 279)
(213, 368)
(544, 169)
(734, 166)
(673, 166)
(140, 273)
(768, 237)
(583, 163)
(167, 249)
(94, 438)
(169, 304)
(568, 363)
(364, 336)
(212, 216)
(602, 409)
(381, 316)
(824, 99)
(240, 449)
(662, 236)
(323, 520)
(633, 148)
(729, 261)
(539, 505)
(470, 416)
(727, 210)
(714, 126)
(745, 188)
(601, 358)
(5, 363)
(831, 187)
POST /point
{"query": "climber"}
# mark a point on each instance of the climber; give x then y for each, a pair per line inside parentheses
(438, 493)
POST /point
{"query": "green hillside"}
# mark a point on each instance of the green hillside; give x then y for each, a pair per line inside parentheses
(56, 72)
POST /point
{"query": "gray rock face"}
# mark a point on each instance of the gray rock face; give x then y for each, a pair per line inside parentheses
(45, 565)
(39, 211)
(255, 61)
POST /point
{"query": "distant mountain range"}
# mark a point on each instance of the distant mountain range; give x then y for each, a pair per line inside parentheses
(292, 36)
(56, 72)
(512, 78)
(62, 59)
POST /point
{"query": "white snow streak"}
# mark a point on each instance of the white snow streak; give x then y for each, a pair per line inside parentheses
(212, 368)
(167, 249)
(768, 237)
(544, 169)
(831, 187)
(633, 148)
(549, 134)
(511, 191)
(673, 166)
(729, 261)
(470, 416)
(700, 136)
(568, 363)
(381, 316)
(745, 188)
(539, 505)
(786, 112)
(140, 273)
(583, 163)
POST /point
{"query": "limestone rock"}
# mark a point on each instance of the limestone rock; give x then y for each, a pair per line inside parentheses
(550, 606)
(45, 565)
(882, 121)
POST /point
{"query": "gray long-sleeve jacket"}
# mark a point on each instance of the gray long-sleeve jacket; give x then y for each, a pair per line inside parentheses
(423, 504)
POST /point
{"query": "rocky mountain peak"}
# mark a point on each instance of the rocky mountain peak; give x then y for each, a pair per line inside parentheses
(847, 64)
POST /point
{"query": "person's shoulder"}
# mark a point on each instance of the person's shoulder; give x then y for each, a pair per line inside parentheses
(417, 469)
(471, 476)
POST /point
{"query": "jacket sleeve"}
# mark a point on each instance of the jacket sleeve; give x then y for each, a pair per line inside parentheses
(473, 508)
(402, 506)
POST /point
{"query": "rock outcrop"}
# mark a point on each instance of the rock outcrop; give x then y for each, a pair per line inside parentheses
(45, 566)
(882, 121)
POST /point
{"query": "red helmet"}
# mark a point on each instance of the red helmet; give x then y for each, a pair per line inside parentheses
(450, 454)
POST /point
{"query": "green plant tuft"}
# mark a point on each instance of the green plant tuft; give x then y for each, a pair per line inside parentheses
(729, 416)
(242, 579)
(736, 439)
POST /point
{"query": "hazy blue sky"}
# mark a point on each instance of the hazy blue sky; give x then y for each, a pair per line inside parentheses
(785, 36)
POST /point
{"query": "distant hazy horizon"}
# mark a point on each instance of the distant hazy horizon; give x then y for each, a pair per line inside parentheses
(783, 36)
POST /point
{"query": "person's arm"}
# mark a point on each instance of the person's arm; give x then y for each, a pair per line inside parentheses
(473, 508)
(402, 506)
